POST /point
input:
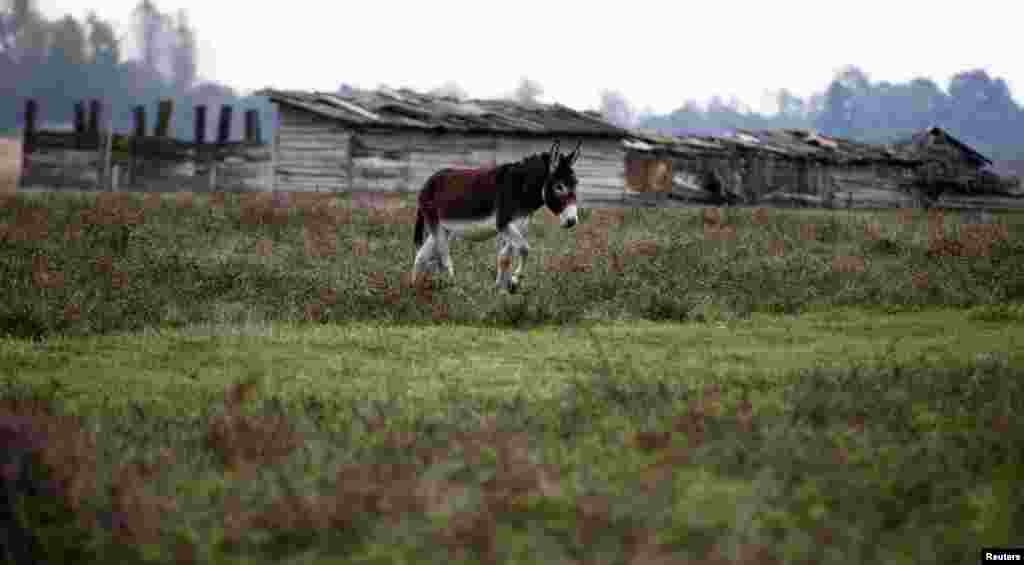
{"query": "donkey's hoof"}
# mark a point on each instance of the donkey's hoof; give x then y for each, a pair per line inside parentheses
(513, 287)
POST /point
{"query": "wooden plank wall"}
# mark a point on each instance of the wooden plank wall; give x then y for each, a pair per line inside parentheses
(403, 161)
(601, 169)
(389, 160)
(764, 174)
(312, 154)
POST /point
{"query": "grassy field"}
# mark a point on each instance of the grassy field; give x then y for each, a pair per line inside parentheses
(10, 164)
(241, 383)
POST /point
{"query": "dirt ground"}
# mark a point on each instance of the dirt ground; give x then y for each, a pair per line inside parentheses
(10, 164)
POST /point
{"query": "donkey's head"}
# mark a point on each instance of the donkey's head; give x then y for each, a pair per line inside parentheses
(560, 188)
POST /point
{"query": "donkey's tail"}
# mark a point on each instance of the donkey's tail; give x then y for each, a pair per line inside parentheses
(417, 237)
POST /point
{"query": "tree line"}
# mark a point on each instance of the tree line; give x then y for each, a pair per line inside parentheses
(976, 107)
(62, 61)
(58, 62)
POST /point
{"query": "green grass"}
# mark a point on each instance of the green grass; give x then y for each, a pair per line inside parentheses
(202, 266)
(879, 426)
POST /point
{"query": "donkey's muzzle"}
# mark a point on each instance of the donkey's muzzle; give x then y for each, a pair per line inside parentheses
(568, 216)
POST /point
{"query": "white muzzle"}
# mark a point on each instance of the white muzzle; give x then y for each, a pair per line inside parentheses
(568, 216)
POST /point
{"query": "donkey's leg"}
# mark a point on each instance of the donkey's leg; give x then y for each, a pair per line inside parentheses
(517, 242)
(504, 280)
(442, 250)
(518, 275)
(424, 258)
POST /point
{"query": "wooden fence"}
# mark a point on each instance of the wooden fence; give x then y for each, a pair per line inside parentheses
(92, 157)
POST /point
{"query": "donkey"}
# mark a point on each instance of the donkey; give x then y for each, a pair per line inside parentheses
(478, 204)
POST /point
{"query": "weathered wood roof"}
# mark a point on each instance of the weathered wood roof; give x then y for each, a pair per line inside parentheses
(407, 109)
(917, 143)
(792, 143)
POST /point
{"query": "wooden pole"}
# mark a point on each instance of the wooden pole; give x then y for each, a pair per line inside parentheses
(200, 125)
(108, 174)
(252, 126)
(79, 124)
(224, 127)
(275, 137)
(200, 136)
(223, 135)
(140, 121)
(139, 134)
(95, 114)
(28, 142)
(163, 118)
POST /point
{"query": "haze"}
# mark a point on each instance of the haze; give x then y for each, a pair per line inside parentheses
(658, 55)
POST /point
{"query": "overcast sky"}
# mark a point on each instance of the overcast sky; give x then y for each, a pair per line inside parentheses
(657, 54)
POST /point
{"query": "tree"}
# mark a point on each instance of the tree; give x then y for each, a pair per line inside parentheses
(450, 89)
(104, 47)
(528, 91)
(790, 105)
(154, 34)
(13, 19)
(184, 55)
(69, 44)
(617, 110)
(837, 115)
(32, 38)
(982, 107)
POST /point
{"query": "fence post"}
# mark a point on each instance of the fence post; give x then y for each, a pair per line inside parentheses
(252, 126)
(275, 142)
(199, 138)
(95, 114)
(223, 135)
(28, 142)
(79, 124)
(200, 125)
(224, 127)
(163, 118)
(139, 134)
(108, 151)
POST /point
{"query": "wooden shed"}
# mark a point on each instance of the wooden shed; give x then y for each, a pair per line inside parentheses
(755, 166)
(393, 140)
(948, 162)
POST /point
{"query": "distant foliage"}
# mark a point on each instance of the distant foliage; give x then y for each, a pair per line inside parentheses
(976, 107)
(451, 89)
(617, 110)
(60, 62)
(528, 91)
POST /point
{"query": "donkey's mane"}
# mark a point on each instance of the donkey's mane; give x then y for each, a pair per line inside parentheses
(524, 162)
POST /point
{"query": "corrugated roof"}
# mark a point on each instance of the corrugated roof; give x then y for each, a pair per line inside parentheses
(409, 109)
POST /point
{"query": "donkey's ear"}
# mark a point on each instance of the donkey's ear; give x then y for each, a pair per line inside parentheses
(553, 160)
(575, 153)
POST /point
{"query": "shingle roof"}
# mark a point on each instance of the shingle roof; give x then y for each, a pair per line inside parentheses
(409, 109)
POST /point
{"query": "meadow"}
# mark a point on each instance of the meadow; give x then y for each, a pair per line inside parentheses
(248, 379)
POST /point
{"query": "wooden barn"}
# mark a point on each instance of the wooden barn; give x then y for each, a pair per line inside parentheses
(949, 162)
(388, 140)
(757, 166)
(803, 167)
